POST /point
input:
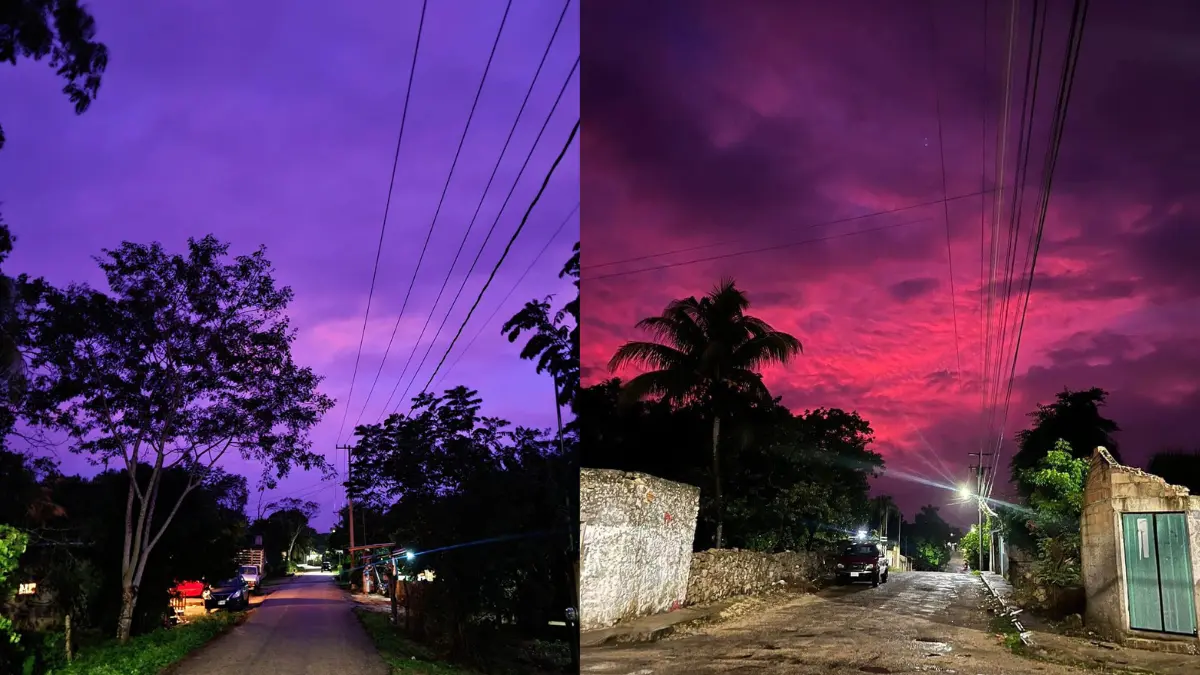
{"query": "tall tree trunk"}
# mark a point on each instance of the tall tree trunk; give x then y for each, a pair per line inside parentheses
(125, 618)
(716, 459)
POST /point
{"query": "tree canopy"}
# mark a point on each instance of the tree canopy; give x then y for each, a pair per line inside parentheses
(185, 359)
(705, 352)
(62, 31)
(1074, 417)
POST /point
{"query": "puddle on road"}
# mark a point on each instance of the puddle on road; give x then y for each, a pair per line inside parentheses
(931, 646)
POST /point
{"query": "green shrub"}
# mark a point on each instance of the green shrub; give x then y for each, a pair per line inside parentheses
(148, 654)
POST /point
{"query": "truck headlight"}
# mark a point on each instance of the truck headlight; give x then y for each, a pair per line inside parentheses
(871, 566)
(207, 594)
(840, 566)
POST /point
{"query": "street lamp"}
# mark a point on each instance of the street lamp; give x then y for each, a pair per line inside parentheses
(964, 492)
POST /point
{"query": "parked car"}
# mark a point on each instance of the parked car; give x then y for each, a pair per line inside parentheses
(231, 594)
(862, 561)
(326, 566)
(189, 589)
(252, 574)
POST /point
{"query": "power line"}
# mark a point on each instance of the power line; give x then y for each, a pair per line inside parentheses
(1066, 82)
(479, 207)
(478, 254)
(1029, 99)
(839, 221)
(945, 192)
(507, 248)
(383, 227)
(764, 249)
(508, 295)
(441, 200)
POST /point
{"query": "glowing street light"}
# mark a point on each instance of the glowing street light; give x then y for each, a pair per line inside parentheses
(964, 492)
(410, 556)
(862, 534)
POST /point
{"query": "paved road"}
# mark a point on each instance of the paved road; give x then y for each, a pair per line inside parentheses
(917, 622)
(304, 627)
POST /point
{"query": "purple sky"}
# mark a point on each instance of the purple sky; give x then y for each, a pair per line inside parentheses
(274, 123)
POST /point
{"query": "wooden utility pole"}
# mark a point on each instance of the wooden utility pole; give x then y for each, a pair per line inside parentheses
(349, 508)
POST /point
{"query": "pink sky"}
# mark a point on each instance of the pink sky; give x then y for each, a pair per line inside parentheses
(707, 124)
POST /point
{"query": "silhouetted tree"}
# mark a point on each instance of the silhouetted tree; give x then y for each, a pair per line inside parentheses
(554, 342)
(62, 31)
(186, 358)
(1074, 417)
(1178, 467)
(706, 351)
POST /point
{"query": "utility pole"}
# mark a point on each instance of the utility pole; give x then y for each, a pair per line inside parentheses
(980, 470)
(572, 613)
(349, 506)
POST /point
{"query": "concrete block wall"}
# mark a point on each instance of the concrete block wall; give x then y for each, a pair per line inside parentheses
(636, 534)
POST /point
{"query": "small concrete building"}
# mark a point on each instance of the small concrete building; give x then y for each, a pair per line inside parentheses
(1140, 556)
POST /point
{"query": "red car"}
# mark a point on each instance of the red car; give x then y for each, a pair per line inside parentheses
(190, 589)
(862, 561)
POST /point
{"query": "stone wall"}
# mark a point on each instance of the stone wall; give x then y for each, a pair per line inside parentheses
(722, 573)
(636, 535)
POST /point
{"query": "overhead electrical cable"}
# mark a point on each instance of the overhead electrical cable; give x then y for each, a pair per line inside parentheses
(764, 249)
(1029, 100)
(475, 216)
(383, 226)
(486, 322)
(945, 192)
(516, 181)
(1002, 129)
(441, 200)
(512, 240)
(983, 222)
(1066, 83)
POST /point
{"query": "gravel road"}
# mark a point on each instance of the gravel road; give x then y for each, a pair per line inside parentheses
(917, 622)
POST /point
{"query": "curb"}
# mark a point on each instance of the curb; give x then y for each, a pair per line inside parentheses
(1010, 612)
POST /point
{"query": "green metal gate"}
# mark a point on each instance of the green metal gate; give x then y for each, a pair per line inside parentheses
(1158, 573)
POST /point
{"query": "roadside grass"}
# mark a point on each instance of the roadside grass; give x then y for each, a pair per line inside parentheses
(402, 655)
(150, 653)
(1009, 635)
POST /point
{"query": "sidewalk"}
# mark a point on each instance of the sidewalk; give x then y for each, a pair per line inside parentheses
(1095, 653)
(654, 627)
(998, 585)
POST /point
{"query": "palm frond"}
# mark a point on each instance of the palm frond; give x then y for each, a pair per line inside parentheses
(647, 355)
(671, 386)
(768, 349)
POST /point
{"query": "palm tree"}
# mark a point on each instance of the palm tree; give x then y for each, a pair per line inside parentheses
(705, 351)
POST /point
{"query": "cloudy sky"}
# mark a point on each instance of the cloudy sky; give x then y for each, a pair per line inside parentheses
(275, 123)
(718, 130)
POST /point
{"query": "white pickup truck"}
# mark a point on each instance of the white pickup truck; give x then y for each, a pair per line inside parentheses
(250, 567)
(253, 576)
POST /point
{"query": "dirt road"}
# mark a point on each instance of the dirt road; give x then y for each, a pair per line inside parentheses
(304, 627)
(917, 622)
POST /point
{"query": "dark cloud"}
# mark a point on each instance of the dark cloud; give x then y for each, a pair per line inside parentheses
(759, 128)
(911, 289)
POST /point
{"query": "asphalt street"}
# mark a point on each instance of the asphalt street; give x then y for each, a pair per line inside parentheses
(302, 627)
(917, 622)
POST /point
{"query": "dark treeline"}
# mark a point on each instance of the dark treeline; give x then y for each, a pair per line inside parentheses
(489, 507)
(771, 479)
